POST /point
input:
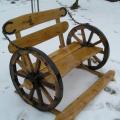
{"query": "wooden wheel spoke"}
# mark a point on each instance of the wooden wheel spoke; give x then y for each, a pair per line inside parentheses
(27, 61)
(21, 73)
(96, 43)
(52, 74)
(22, 65)
(97, 59)
(46, 74)
(31, 94)
(102, 52)
(46, 93)
(76, 38)
(83, 36)
(90, 37)
(49, 85)
(37, 66)
(27, 84)
(89, 62)
(39, 94)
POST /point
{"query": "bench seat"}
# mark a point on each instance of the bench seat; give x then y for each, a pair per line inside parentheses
(71, 56)
(68, 58)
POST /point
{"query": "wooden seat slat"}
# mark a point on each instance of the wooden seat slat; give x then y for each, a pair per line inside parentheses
(62, 52)
(70, 61)
(70, 57)
(74, 59)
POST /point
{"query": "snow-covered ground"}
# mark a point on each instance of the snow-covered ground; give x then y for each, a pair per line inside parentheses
(106, 106)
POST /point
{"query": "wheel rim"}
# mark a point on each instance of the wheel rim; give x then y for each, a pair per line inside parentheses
(90, 36)
(40, 84)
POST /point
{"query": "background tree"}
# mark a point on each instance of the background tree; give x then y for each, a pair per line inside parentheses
(75, 5)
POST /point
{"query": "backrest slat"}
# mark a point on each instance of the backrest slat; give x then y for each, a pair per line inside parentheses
(30, 20)
(39, 36)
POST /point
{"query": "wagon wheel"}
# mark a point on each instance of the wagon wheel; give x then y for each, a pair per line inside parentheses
(39, 84)
(90, 36)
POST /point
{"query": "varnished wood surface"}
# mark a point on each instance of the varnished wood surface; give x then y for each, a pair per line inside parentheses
(18, 35)
(62, 52)
(39, 36)
(67, 63)
(61, 37)
(70, 57)
(29, 20)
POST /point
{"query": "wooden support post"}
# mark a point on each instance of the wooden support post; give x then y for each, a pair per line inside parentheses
(39, 36)
(61, 37)
(18, 35)
(75, 107)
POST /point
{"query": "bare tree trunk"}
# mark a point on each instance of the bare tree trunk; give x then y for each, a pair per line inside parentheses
(75, 5)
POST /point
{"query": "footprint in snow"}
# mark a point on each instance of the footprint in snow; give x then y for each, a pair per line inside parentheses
(115, 61)
(22, 116)
(95, 107)
(84, 9)
(13, 2)
(82, 16)
(113, 107)
(89, 20)
(110, 90)
(4, 38)
(3, 52)
(7, 87)
(115, 31)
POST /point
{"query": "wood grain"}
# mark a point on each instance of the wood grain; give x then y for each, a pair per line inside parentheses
(29, 20)
(39, 36)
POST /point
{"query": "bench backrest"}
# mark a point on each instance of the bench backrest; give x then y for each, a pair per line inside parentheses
(16, 25)
(39, 36)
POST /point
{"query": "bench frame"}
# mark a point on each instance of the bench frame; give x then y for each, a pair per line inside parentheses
(30, 20)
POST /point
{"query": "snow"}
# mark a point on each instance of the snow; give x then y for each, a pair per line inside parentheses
(100, 13)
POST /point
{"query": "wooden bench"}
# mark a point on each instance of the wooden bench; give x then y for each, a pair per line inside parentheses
(46, 71)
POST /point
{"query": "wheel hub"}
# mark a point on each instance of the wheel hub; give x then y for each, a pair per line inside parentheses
(33, 80)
